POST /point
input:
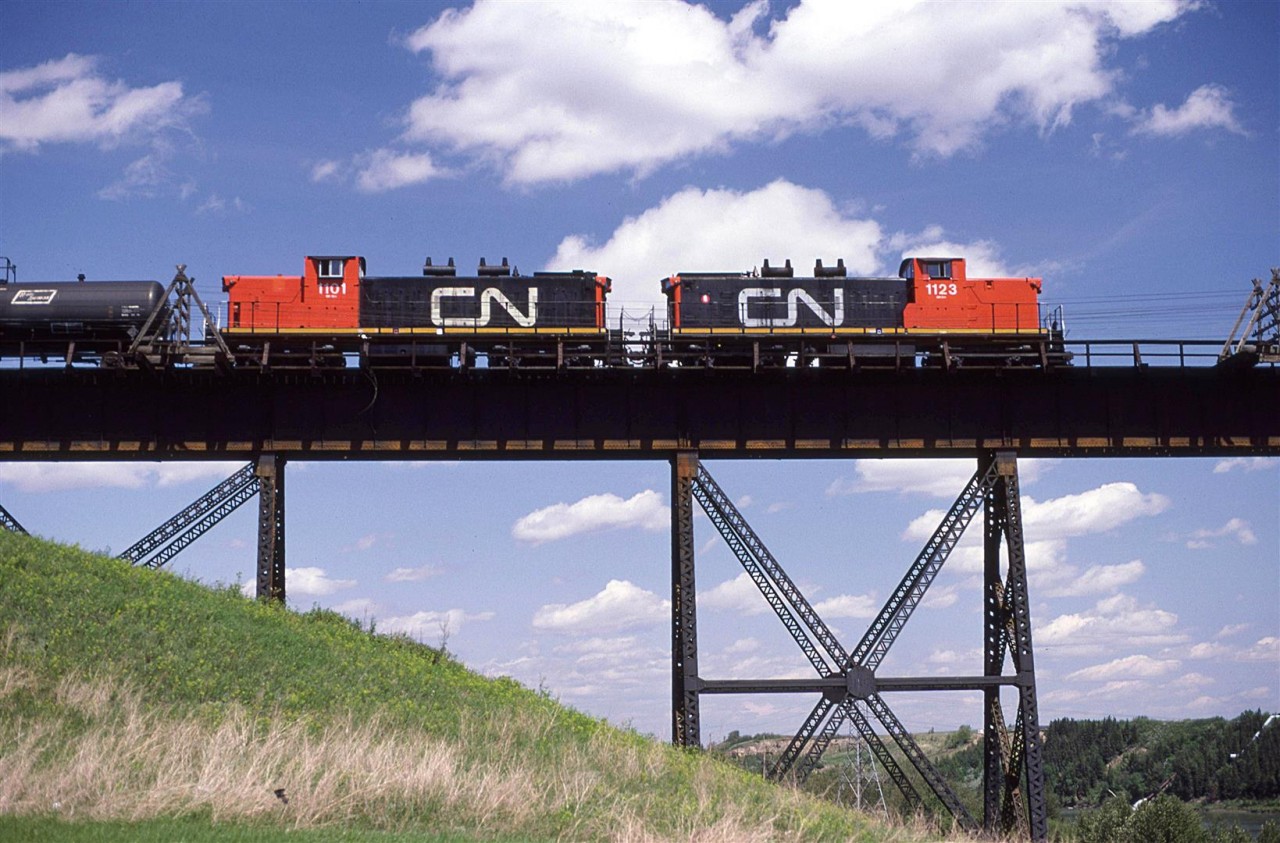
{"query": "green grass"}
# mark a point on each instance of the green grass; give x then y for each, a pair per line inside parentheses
(196, 830)
(134, 703)
(191, 646)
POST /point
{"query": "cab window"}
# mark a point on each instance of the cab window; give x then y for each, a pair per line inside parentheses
(329, 268)
(937, 269)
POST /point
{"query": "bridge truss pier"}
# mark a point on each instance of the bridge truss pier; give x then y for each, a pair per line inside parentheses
(685, 727)
(270, 472)
(847, 682)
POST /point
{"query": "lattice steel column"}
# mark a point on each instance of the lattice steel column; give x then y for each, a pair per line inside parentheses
(1011, 760)
(270, 472)
(993, 634)
(685, 728)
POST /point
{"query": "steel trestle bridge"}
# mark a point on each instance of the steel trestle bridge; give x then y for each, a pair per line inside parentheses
(689, 417)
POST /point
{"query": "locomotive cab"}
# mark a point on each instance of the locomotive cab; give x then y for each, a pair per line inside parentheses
(942, 298)
(331, 288)
(326, 296)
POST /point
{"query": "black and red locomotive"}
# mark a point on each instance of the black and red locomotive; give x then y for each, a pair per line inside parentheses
(930, 313)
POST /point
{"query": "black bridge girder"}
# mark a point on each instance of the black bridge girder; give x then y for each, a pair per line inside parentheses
(86, 414)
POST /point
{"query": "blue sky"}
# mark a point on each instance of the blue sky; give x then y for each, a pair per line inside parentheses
(1127, 153)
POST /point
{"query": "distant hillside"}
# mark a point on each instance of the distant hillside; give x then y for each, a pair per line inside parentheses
(1085, 761)
(1210, 759)
(129, 694)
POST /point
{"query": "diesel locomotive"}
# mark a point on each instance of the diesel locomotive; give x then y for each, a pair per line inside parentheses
(930, 314)
(426, 319)
(930, 310)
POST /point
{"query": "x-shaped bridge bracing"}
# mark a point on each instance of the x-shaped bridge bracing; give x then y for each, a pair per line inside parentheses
(847, 681)
(265, 478)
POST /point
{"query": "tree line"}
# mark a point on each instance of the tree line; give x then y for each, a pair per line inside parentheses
(1087, 761)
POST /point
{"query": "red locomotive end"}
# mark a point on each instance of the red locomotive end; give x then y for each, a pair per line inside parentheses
(943, 298)
(325, 298)
(604, 286)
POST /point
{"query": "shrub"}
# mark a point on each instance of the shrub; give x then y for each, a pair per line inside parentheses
(1105, 824)
(1165, 819)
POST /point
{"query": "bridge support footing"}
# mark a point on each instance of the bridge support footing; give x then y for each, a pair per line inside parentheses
(847, 682)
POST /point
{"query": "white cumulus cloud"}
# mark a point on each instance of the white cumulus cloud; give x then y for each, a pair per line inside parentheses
(1209, 650)
(740, 595)
(1246, 464)
(847, 606)
(940, 478)
(384, 170)
(620, 605)
(314, 582)
(1190, 681)
(306, 582)
(1264, 650)
(423, 572)
(430, 626)
(1207, 107)
(326, 171)
(645, 510)
(631, 85)
(1236, 529)
(61, 476)
(1099, 510)
(736, 231)
(1115, 623)
(68, 101)
(1098, 579)
(1127, 667)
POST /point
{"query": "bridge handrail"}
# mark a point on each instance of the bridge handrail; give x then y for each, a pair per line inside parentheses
(1143, 352)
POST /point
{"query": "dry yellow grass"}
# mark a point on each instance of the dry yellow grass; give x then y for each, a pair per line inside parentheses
(108, 756)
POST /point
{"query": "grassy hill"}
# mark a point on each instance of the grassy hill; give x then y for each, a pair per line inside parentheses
(136, 705)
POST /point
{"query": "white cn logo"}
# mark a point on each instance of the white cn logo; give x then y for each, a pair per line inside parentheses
(487, 299)
(794, 299)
